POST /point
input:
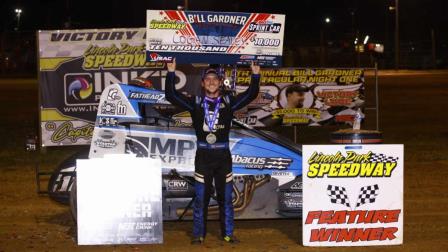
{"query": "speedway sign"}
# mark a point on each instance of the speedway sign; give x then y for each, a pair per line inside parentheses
(352, 195)
(214, 37)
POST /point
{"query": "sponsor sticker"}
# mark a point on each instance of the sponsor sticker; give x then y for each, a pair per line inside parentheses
(107, 121)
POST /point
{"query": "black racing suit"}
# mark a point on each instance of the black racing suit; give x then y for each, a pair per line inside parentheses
(212, 161)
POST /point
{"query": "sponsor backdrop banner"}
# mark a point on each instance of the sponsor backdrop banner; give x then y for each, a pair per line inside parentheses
(215, 37)
(353, 195)
(76, 66)
(126, 208)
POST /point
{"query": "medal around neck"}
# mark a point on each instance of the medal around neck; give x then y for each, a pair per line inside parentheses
(211, 138)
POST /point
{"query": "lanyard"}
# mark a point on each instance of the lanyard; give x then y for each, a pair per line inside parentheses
(211, 121)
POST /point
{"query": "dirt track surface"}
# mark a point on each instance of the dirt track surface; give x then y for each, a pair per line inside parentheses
(413, 111)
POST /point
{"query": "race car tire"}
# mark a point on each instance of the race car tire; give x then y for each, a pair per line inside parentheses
(73, 202)
(61, 180)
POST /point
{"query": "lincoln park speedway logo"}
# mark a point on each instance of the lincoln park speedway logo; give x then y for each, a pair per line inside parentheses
(352, 164)
(367, 194)
(78, 89)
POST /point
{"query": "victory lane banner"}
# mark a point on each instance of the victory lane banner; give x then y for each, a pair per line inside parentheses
(352, 195)
(215, 37)
(75, 66)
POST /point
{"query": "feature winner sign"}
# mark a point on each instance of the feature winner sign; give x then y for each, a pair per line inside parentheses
(214, 37)
(352, 195)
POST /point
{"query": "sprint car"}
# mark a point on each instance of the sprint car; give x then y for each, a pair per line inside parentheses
(133, 119)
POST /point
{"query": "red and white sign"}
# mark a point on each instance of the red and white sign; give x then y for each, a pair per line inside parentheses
(352, 195)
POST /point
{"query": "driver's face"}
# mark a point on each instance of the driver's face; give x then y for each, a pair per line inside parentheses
(211, 83)
(296, 99)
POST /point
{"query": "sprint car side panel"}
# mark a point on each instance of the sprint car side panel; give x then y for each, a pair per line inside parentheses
(260, 166)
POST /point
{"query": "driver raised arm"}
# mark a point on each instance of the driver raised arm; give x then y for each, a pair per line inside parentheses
(212, 114)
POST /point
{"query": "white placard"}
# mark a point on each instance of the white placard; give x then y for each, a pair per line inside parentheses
(119, 199)
(214, 37)
(352, 195)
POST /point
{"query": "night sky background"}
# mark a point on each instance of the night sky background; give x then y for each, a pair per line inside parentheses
(373, 17)
(304, 24)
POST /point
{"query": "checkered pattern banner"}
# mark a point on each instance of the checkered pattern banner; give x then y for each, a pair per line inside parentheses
(367, 194)
(381, 158)
(338, 195)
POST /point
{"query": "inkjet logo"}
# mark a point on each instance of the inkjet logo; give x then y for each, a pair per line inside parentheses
(78, 89)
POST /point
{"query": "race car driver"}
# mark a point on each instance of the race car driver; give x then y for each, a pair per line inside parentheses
(212, 114)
